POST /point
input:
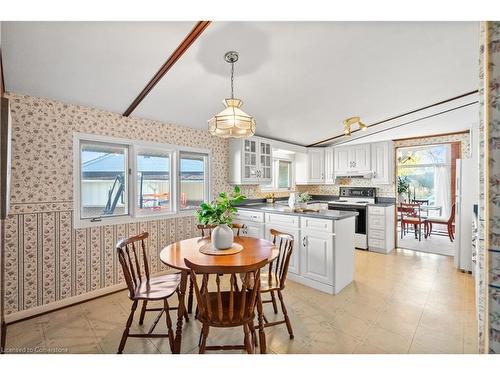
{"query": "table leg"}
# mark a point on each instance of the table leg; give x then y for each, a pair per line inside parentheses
(180, 313)
(262, 335)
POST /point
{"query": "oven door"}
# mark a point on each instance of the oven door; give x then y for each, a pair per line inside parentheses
(360, 221)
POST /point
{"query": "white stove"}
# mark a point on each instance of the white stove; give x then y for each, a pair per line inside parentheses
(356, 199)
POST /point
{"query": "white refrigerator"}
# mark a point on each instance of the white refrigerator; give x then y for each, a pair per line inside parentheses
(466, 196)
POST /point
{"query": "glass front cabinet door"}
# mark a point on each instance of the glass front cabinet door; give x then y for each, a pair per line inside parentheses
(250, 165)
(251, 161)
(265, 162)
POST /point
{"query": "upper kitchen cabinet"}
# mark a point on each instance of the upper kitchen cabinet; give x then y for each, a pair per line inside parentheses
(382, 162)
(250, 161)
(316, 164)
(352, 160)
(310, 166)
(329, 166)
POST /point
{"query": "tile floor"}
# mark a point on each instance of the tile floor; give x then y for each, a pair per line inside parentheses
(437, 243)
(404, 302)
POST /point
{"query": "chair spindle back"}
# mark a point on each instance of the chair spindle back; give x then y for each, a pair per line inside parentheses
(279, 266)
(129, 256)
(222, 305)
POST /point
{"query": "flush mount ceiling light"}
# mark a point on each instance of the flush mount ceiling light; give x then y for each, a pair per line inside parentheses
(232, 122)
(351, 121)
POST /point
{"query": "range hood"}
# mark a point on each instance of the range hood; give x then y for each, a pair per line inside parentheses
(355, 174)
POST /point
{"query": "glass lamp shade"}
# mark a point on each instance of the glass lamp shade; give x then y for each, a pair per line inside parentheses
(232, 122)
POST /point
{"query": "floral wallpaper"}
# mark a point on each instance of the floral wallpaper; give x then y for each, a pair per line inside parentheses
(490, 74)
(46, 259)
(390, 189)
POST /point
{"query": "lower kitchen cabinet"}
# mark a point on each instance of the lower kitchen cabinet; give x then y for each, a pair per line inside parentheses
(381, 229)
(323, 250)
(317, 256)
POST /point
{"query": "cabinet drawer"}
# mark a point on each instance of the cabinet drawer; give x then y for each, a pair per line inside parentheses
(283, 220)
(373, 210)
(376, 222)
(376, 234)
(376, 243)
(316, 224)
(242, 215)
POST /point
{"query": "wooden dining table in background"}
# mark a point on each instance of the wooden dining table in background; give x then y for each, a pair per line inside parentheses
(254, 251)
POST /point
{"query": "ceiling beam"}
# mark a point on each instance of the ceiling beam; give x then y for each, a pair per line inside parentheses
(179, 51)
(398, 116)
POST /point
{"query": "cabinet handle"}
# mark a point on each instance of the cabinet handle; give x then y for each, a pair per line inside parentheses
(304, 242)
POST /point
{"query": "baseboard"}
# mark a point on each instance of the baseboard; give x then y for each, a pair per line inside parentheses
(311, 283)
(39, 310)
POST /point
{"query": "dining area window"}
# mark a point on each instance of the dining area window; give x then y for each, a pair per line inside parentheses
(119, 180)
(425, 182)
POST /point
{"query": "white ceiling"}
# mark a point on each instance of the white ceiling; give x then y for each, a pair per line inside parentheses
(298, 79)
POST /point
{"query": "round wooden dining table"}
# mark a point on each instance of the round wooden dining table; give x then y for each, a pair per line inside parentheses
(254, 251)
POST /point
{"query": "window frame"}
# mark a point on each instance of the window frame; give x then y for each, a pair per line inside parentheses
(142, 149)
(206, 176)
(134, 147)
(127, 177)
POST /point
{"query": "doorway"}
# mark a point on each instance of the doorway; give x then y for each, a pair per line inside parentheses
(426, 192)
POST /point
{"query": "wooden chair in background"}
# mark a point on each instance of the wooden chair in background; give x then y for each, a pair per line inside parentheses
(274, 281)
(410, 214)
(144, 287)
(421, 201)
(448, 222)
(228, 307)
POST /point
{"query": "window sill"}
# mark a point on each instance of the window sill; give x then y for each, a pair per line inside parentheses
(79, 223)
(275, 190)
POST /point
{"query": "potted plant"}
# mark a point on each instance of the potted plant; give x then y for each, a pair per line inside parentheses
(303, 199)
(270, 198)
(220, 212)
(403, 187)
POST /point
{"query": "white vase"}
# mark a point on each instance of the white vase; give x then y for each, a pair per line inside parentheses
(292, 201)
(222, 237)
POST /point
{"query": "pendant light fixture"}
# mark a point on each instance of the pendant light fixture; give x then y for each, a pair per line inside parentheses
(351, 121)
(232, 122)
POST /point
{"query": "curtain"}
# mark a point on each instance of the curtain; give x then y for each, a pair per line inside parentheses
(442, 189)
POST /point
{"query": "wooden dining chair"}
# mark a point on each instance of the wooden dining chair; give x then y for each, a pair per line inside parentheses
(206, 231)
(275, 279)
(411, 215)
(421, 201)
(448, 222)
(144, 287)
(225, 306)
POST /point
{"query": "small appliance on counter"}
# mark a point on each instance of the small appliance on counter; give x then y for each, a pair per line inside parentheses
(356, 199)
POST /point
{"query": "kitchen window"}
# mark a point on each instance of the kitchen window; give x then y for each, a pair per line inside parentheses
(121, 180)
(282, 178)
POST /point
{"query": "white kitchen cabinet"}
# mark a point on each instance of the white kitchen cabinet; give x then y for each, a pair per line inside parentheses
(329, 166)
(316, 164)
(310, 166)
(294, 265)
(253, 220)
(382, 160)
(381, 228)
(317, 256)
(250, 161)
(361, 157)
(352, 159)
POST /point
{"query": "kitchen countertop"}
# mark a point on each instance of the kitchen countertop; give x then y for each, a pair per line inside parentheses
(285, 210)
